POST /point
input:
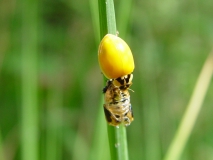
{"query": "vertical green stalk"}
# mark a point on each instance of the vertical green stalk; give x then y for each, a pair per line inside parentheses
(29, 108)
(192, 111)
(102, 18)
(54, 124)
(95, 19)
(117, 135)
(151, 115)
(110, 14)
(1, 147)
(123, 16)
(99, 149)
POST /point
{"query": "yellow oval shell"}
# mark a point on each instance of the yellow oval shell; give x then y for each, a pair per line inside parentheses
(115, 57)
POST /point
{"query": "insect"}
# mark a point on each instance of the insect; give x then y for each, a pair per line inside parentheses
(117, 107)
(116, 63)
(115, 57)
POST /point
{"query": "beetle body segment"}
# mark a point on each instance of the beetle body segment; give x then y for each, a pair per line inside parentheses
(115, 57)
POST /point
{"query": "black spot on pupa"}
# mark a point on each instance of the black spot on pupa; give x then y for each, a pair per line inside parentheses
(117, 116)
(107, 115)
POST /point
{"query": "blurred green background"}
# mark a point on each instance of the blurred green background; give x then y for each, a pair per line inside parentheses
(51, 84)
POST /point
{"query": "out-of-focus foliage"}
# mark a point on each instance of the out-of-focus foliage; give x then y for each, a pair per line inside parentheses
(170, 41)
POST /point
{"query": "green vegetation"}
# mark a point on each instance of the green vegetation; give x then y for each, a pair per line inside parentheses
(116, 135)
(50, 81)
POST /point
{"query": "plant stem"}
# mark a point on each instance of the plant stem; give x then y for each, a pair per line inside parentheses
(29, 108)
(102, 18)
(1, 147)
(110, 14)
(117, 135)
(192, 111)
(54, 129)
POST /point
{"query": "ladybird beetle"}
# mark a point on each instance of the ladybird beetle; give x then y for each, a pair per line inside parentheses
(115, 57)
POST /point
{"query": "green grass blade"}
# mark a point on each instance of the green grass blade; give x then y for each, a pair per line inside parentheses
(117, 136)
(118, 142)
(100, 144)
(54, 124)
(192, 111)
(102, 18)
(29, 108)
(150, 101)
(95, 19)
(110, 13)
(1, 147)
(99, 148)
(121, 144)
(124, 16)
(151, 116)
